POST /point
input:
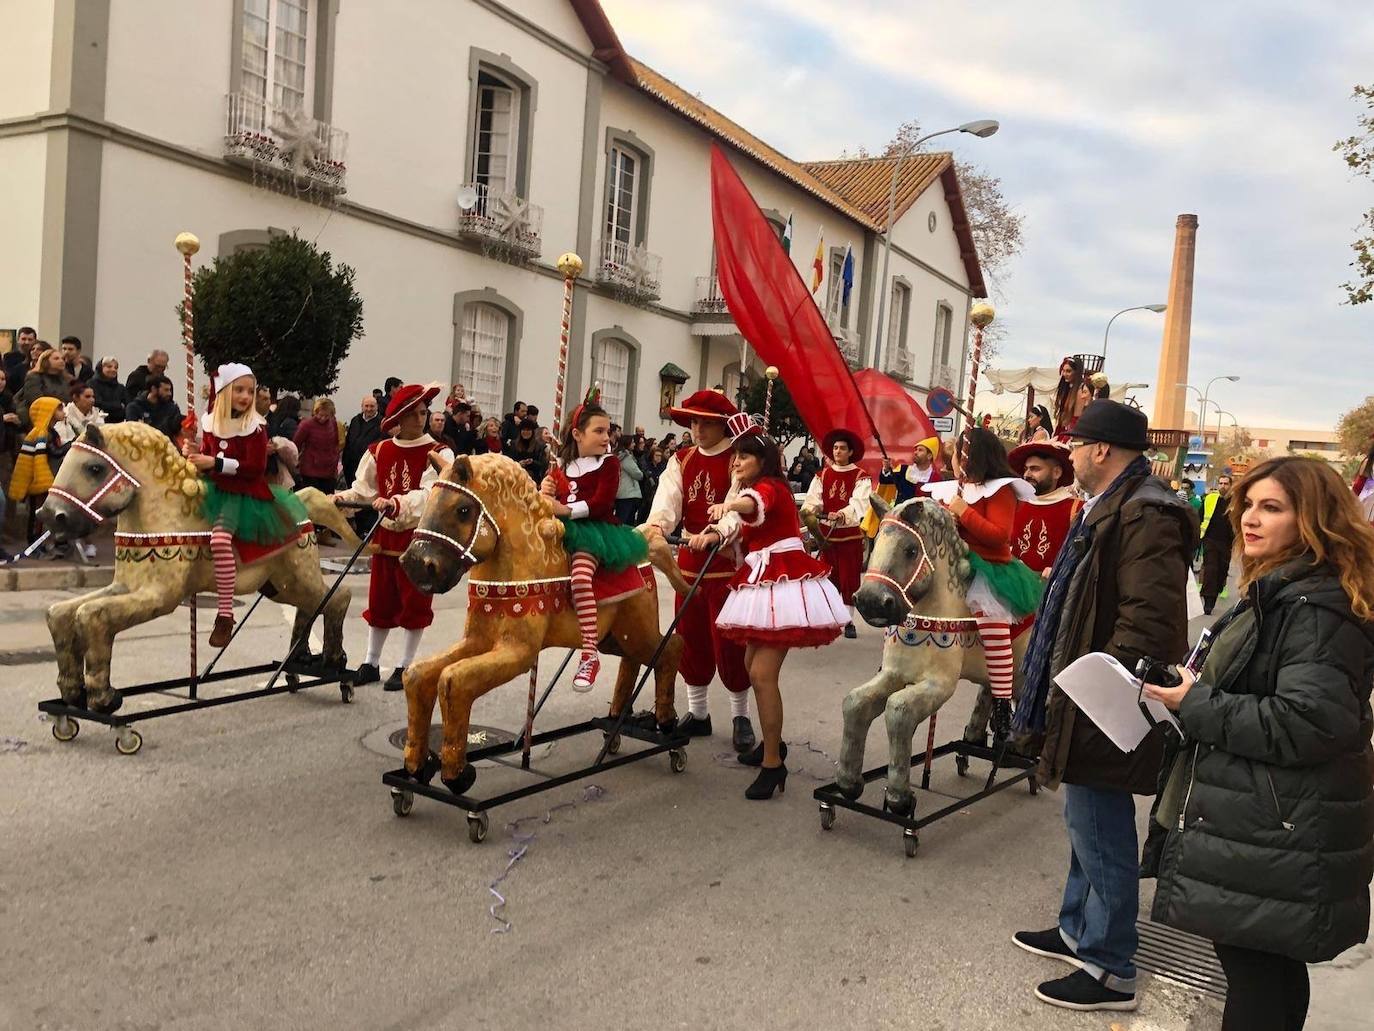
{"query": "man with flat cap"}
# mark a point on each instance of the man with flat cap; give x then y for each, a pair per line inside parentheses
(1117, 586)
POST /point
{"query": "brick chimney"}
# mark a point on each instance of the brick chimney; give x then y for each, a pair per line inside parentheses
(1171, 400)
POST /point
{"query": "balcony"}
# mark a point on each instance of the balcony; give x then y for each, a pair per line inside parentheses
(708, 298)
(899, 364)
(944, 376)
(287, 146)
(631, 272)
(851, 348)
(506, 225)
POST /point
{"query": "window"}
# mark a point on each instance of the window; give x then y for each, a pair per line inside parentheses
(275, 63)
(944, 325)
(611, 371)
(496, 134)
(896, 321)
(482, 355)
(622, 172)
(732, 381)
(836, 308)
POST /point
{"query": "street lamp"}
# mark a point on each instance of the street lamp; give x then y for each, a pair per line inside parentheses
(1202, 412)
(982, 128)
(1156, 308)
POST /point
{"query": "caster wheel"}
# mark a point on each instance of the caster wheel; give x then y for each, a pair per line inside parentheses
(613, 745)
(346, 693)
(677, 760)
(477, 828)
(961, 765)
(910, 842)
(64, 728)
(827, 817)
(292, 682)
(1034, 785)
(402, 802)
(128, 741)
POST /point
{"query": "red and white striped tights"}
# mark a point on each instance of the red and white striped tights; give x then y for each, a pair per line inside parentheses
(222, 551)
(584, 598)
(996, 637)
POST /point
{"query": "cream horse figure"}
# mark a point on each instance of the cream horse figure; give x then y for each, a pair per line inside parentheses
(919, 570)
(162, 554)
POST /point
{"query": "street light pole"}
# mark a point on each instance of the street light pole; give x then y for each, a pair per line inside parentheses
(1156, 308)
(982, 129)
(1202, 411)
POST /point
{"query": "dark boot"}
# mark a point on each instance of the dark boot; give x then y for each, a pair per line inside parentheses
(754, 757)
(695, 726)
(850, 632)
(743, 735)
(224, 629)
(769, 779)
(394, 682)
(367, 674)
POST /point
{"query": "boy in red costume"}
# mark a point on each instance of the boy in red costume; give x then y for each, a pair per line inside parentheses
(839, 495)
(394, 476)
(1042, 521)
(696, 478)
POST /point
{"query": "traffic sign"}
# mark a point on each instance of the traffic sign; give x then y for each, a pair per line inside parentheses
(943, 424)
(940, 402)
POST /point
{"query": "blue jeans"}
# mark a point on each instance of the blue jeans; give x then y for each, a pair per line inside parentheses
(1102, 894)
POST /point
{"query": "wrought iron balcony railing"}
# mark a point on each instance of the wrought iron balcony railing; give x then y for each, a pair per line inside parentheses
(899, 364)
(630, 270)
(708, 299)
(501, 221)
(286, 145)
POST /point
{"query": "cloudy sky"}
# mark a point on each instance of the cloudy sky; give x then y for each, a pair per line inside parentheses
(1115, 117)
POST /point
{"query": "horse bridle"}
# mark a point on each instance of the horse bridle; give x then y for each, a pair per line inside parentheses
(904, 589)
(117, 473)
(463, 551)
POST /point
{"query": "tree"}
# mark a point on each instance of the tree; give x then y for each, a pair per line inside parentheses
(285, 310)
(1358, 151)
(1356, 429)
(785, 424)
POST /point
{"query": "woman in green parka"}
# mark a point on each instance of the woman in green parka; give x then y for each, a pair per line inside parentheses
(1268, 810)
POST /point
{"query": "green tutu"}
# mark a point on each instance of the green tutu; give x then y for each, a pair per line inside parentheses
(253, 519)
(613, 545)
(1014, 583)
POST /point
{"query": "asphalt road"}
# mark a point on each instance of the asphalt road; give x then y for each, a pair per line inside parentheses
(245, 870)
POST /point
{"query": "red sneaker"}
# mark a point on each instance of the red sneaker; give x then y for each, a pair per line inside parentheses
(587, 671)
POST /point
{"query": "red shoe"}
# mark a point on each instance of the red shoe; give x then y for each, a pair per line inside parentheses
(587, 671)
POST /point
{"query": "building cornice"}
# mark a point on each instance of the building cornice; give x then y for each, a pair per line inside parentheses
(954, 283)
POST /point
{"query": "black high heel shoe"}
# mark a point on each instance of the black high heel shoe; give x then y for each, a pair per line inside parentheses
(754, 757)
(769, 777)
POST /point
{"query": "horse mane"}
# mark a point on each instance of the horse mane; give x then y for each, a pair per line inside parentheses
(507, 481)
(941, 533)
(148, 446)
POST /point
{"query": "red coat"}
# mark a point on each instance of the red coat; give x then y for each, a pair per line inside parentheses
(588, 486)
(987, 524)
(775, 520)
(318, 444)
(248, 457)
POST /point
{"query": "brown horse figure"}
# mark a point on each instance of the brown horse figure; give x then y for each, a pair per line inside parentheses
(133, 472)
(485, 516)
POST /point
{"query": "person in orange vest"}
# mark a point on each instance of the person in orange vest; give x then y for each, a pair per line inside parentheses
(839, 497)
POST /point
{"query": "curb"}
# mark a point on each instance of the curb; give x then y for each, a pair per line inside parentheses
(58, 578)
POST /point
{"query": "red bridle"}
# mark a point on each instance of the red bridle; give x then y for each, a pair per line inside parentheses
(921, 566)
(464, 551)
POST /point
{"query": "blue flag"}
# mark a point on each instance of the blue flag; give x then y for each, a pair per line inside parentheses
(847, 274)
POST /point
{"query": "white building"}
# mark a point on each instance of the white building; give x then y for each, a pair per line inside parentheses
(361, 124)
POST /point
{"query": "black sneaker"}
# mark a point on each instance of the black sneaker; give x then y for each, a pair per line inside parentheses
(850, 632)
(394, 682)
(1049, 944)
(1081, 991)
(695, 726)
(367, 674)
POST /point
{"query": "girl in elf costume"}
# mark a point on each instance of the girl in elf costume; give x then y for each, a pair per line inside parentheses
(582, 487)
(1004, 589)
(239, 502)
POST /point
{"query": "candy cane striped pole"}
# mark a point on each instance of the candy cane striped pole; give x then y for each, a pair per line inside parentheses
(188, 244)
(771, 374)
(571, 267)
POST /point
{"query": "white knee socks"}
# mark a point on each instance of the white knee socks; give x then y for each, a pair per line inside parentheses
(739, 703)
(696, 701)
(411, 645)
(376, 640)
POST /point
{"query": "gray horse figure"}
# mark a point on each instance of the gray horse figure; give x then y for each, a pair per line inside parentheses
(915, 586)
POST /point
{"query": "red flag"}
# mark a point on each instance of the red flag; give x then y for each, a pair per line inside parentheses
(776, 314)
(899, 418)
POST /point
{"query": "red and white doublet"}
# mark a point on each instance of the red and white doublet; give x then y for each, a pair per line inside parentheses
(695, 479)
(588, 487)
(781, 597)
(1041, 526)
(842, 492)
(400, 470)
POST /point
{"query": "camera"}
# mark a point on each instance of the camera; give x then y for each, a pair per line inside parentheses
(1154, 671)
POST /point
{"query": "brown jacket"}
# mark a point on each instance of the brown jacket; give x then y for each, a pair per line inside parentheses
(1127, 599)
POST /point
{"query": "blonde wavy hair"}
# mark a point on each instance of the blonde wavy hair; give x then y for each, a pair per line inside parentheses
(1331, 528)
(223, 422)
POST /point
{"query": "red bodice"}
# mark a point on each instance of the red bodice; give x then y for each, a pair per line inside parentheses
(399, 469)
(837, 488)
(250, 452)
(705, 482)
(777, 521)
(595, 486)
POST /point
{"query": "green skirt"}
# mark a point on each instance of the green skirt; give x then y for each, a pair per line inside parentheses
(614, 545)
(1013, 583)
(253, 519)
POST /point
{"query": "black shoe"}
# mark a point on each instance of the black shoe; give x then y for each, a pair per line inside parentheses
(694, 726)
(1207, 609)
(1001, 719)
(1049, 944)
(850, 632)
(743, 736)
(755, 757)
(769, 778)
(1081, 991)
(367, 674)
(394, 682)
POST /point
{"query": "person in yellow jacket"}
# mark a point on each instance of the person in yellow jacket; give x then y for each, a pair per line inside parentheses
(33, 469)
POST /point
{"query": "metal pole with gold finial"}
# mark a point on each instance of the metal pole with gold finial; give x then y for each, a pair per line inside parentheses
(771, 374)
(571, 266)
(188, 244)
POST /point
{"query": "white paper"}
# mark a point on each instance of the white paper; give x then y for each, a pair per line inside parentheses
(1108, 694)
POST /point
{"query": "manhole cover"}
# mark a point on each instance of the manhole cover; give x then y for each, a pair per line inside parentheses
(478, 737)
(1181, 957)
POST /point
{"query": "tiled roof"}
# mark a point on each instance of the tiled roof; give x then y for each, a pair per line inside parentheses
(866, 182)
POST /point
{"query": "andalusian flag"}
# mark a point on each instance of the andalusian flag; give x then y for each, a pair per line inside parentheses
(787, 236)
(818, 263)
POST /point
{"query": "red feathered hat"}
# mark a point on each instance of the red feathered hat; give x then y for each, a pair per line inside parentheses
(704, 404)
(1042, 449)
(403, 399)
(856, 446)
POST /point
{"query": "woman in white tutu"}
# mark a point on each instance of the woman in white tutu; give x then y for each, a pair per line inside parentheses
(780, 599)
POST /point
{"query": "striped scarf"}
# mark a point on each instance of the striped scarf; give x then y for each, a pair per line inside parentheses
(1029, 717)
